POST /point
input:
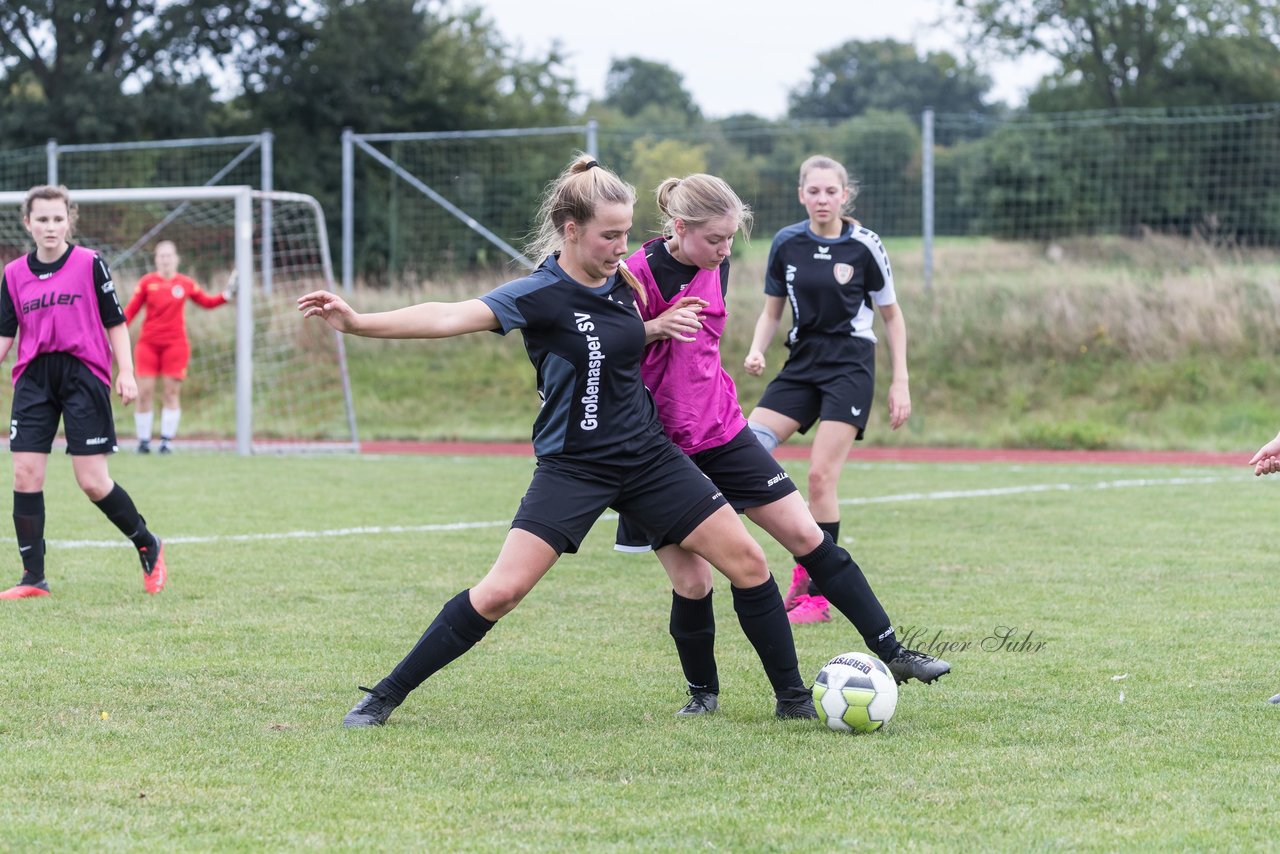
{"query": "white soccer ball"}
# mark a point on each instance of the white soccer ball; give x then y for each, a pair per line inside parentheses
(855, 692)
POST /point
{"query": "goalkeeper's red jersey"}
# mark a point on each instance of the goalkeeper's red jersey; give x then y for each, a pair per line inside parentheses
(164, 300)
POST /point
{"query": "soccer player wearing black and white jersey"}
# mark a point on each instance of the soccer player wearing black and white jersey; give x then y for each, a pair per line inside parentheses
(834, 273)
(597, 437)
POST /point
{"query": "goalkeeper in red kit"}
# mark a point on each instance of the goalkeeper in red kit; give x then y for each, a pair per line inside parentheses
(163, 349)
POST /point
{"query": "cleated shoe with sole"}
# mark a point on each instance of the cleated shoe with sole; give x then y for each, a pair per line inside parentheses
(799, 587)
(144, 446)
(909, 664)
(798, 707)
(810, 609)
(27, 591)
(372, 710)
(700, 703)
(154, 571)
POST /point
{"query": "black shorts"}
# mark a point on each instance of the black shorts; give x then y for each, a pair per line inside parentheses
(741, 468)
(59, 386)
(827, 378)
(658, 486)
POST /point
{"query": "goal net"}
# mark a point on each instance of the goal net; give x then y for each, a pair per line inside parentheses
(260, 380)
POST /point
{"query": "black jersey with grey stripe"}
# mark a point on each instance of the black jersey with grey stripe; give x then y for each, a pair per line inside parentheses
(586, 344)
(830, 283)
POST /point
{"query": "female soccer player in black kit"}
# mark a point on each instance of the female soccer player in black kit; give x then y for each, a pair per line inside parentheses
(597, 437)
(832, 271)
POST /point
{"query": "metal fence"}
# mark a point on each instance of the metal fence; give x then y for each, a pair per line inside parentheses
(429, 204)
(204, 162)
(438, 202)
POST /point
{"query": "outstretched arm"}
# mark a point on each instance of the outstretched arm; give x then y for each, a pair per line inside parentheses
(204, 299)
(424, 320)
(1267, 460)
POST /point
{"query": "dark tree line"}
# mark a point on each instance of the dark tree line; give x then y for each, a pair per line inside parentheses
(111, 70)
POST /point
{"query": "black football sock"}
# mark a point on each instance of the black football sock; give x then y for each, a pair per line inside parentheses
(28, 524)
(693, 628)
(456, 629)
(118, 507)
(764, 621)
(832, 528)
(847, 589)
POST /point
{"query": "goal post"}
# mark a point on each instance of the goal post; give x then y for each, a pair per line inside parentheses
(265, 381)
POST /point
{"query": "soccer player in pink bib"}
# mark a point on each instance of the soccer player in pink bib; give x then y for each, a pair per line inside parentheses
(60, 304)
(698, 406)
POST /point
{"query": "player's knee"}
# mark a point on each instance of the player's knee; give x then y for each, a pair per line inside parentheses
(822, 482)
(690, 574)
(750, 568)
(692, 587)
(494, 601)
(27, 480)
(767, 437)
(96, 488)
(802, 540)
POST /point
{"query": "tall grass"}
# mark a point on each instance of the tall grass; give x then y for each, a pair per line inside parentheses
(1148, 343)
(1131, 299)
(1142, 343)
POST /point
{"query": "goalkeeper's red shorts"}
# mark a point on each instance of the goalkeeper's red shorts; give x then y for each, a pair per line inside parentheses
(161, 360)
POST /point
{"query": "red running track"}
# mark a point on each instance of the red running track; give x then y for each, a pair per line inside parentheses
(874, 454)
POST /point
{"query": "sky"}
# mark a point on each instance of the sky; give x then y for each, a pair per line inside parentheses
(740, 57)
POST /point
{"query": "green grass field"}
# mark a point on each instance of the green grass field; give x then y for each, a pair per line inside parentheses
(208, 718)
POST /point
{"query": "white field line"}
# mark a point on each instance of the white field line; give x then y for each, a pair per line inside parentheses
(946, 495)
(942, 495)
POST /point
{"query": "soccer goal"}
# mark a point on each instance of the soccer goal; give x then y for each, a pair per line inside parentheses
(260, 379)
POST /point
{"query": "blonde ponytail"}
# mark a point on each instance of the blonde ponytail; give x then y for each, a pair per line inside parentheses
(582, 188)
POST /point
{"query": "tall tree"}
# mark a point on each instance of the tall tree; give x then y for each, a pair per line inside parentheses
(387, 66)
(404, 65)
(634, 85)
(887, 75)
(70, 67)
(1132, 53)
